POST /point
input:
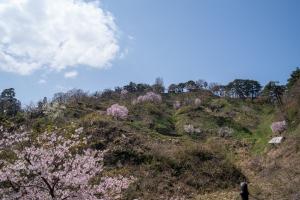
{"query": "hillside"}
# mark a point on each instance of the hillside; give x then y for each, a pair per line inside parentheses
(189, 145)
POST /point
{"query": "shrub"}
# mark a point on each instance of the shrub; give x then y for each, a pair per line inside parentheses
(225, 132)
(124, 93)
(149, 97)
(279, 127)
(176, 105)
(117, 111)
(197, 102)
(190, 129)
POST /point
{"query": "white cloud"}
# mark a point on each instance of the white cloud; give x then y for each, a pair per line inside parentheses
(71, 74)
(55, 34)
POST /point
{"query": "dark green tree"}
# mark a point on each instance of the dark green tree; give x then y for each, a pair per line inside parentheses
(244, 88)
(273, 92)
(190, 86)
(180, 87)
(9, 105)
(158, 86)
(172, 88)
(131, 87)
(295, 76)
(201, 84)
(253, 88)
(142, 87)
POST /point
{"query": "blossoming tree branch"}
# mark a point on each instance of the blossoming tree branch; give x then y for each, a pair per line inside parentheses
(53, 166)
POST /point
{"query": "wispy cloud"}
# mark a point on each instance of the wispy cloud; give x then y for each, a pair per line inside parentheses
(42, 81)
(55, 34)
(130, 37)
(124, 53)
(71, 74)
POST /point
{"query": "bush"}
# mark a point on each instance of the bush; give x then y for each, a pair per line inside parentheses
(279, 127)
(117, 111)
(176, 105)
(149, 97)
(225, 132)
(190, 129)
(197, 102)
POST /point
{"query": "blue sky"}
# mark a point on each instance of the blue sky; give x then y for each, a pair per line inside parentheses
(179, 40)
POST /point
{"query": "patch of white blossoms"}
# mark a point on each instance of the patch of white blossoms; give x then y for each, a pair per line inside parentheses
(149, 97)
(191, 129)
(117, 111)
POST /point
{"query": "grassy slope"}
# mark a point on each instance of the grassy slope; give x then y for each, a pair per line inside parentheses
(153, 146)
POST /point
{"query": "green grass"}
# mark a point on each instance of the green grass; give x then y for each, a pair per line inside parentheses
(152, 145)
(261, 135)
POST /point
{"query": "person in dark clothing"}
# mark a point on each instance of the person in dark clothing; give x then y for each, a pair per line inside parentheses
(244, 191)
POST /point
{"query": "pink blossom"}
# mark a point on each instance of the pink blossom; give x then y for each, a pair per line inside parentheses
(149, 97)
(279, 127)
(117, 111)
(124, 93)
(48, 169)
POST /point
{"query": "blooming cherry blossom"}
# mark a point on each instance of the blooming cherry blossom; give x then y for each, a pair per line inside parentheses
(49, 168)
(279, 127)
(149, 97)
(117, 111)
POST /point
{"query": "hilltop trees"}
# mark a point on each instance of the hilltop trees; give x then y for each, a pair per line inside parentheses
(273, 92)
(295, 76)
(214, 88)
(244, 88)
(201, 84)
(172, 88)
(131, 87)
(176, 88)
(142, 87)
(190, 86)
(158, 86)
(9, 105)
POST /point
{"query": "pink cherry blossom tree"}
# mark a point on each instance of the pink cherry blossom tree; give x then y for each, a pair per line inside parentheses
(51, 167)
(117, 111)
(279, 127)
(149, 97)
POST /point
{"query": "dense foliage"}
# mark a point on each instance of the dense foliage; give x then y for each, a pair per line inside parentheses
(9, 105)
